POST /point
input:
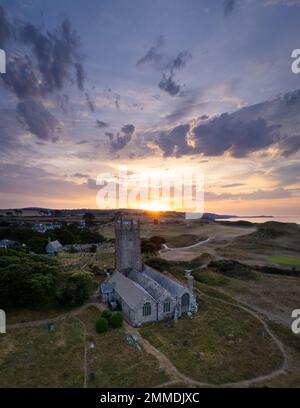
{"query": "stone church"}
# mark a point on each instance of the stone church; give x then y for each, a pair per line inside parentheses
(143, 293)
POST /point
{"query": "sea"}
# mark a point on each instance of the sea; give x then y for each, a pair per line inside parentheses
(279, 218)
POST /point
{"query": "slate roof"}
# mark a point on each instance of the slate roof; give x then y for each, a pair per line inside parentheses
(54, 245)
(6, 243)
(170, 285)
(132, 293)
(157, 291)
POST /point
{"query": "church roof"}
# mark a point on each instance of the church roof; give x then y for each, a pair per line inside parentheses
(157, 291)
(169, 284)
(131, 292)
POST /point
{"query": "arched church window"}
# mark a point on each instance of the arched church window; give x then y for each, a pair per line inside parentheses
(167, 306)
(147, 309)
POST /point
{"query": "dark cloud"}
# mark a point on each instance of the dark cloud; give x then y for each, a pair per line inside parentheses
(238, 137)
(80, 75)
(204, 117)
(54, 62)
(166, 65)
(174, 142)
(229, 6)
(80, 175)
(290, 145)
(6, 28)
(120, 141)
(233, 185)
(38, 120)
(22, 78)
(90, 103)
(222, 134)
(169, 85)
(55, 52)
(101, 124)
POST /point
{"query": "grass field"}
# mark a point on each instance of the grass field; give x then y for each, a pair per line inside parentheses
(282, 260)
(114, 362)
(37, 357)
(221, 344)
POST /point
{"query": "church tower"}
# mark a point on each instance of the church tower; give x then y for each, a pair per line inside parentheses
(128, 246)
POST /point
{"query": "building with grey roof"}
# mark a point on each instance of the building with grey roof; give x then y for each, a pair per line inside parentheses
(143, 293)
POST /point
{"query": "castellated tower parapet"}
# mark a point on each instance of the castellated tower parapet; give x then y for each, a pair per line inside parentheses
(128, 246)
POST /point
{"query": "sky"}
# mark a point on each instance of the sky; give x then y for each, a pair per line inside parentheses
(162, 85)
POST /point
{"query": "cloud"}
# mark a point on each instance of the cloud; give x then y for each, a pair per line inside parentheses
(6, 29)
(165, 64)
(174, 142)
(169, 85)
(80, 175)
(38, 120)
(272, 194)
(53, 62)
(287, 174)
(120, 141)
(240, 133)
(283, 2)
(238, 137)
(233, 185)
(55, 52)
(229, 6)
(90, 103)
(290, 145)
(101, 124)
(22, 78)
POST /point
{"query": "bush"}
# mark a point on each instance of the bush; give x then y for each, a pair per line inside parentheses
(106, 314)
(116, 320)
(101, 325)
(75, 289)
(159, 264)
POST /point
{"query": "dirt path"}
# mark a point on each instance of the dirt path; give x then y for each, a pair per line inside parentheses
(174, 374)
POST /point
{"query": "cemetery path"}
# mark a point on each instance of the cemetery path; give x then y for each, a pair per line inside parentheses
(174, 374)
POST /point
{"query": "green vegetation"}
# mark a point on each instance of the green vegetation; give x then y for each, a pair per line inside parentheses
(101, 325)
(233, 269)
(106, 314)
(68, 234)
(116, 363)
(221, 344)
(44, 356)
(210, 278)
(284, 260)
(75, 289)
(152, 244)
(36, 280)
(116, 320)
(183, 240)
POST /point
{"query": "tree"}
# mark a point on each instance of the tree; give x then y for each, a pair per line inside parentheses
(26, 280)
(106, 314)
(75, 289)
(101, 325)
(89, 219)
(116, 320)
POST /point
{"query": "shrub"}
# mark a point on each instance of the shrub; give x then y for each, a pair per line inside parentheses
(106, 314)
(75, 289)
(101, 325)
(116, 320)
(159, 264)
